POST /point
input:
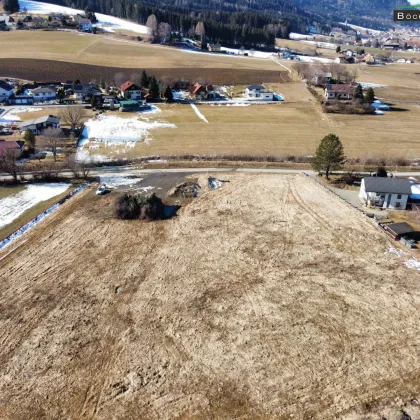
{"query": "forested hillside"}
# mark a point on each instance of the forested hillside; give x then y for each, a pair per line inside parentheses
(232, 22)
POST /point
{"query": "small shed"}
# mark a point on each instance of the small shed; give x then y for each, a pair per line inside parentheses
(129, 106)
(397, 230)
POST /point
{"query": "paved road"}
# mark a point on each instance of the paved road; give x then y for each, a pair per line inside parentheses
(129, 170)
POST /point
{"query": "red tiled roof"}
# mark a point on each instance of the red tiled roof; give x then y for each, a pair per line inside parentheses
(8, 145)
(126, 85)
(337, 88)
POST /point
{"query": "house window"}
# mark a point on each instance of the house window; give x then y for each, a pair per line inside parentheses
(397, 205)
(399, 196)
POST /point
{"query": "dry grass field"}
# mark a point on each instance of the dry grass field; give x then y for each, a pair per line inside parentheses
(105, 51)
(294, 127)
(269, 298)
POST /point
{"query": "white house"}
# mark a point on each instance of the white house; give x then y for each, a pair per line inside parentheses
(258, 93)
(130, 90)
(388, 193)
(6, 90)
(43, 93)
(37, 125)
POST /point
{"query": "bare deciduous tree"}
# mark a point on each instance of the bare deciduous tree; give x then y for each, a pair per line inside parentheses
(152, 24)
(164, 31)
(73, 115)
(200, 30)
(51, 138)
(80, 168)
(8, 162)
(120, 78)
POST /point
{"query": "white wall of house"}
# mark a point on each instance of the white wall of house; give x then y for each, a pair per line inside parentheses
(43, 96)
(258, 95)
(384, 200)
(134, 94)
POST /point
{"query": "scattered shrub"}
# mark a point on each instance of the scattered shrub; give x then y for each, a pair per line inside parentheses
(136, 206)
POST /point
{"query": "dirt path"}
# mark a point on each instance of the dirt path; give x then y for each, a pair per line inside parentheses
(265, 299)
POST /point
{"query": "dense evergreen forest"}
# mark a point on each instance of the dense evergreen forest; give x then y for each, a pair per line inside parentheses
(231, 22)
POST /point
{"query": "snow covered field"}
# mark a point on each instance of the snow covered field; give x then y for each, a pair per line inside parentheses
(14, 206)
(116, 131)
(107, 23)
(361, 28)
(11, 116)
(297, 37)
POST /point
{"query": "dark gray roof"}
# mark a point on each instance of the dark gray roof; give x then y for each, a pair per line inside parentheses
(255, 87)
(387, 185)
(43, 89)
(400, 228)
(5, 85)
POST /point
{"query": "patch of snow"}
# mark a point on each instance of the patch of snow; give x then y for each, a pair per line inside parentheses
(308, 59)
(15, 205)
(257, 54)
(112, 130)
(17, 234)
(199, 114)
(119, 180)
(361, 28)
(366, 85)
(413, 264)
(107, 23)
(12, 117)
(296, 36)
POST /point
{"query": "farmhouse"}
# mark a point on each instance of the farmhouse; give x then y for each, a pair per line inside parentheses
(130, 90)
(6, 90)
(39, 124)
(322, 79)
(258, 93)
(8, 147)
(338, 91)
(43, 93)
(388, 193)
(200, 92)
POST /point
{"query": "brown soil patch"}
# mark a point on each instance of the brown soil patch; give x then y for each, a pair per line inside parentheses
(48, 70)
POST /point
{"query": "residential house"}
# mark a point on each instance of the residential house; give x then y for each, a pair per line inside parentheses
(6, 90)
(199, 92)
(398, 230)
(130, 90)
(214, 47)
(339, 91)
(85, 25)
(322, 79)
(391, 46)
(258, 93)
(37, 125)
(85, 91)
(43, 93)
(8, 147)
(388, 193)
(109, 101)
(20, 100)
